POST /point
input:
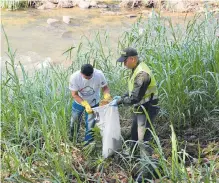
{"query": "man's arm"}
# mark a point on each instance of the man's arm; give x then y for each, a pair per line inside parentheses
(73, 86)
(106, 90)
(76, 97)
(84, 103)
(141, 84)
(106, 96)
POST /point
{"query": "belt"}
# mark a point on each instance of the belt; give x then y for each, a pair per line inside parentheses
(144, 100)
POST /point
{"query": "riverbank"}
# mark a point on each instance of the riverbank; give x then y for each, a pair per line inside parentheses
(162, 5)
(36, 110)
(45, 35)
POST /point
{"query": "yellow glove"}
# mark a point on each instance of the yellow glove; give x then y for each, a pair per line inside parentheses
(87, 107)
(106, 99)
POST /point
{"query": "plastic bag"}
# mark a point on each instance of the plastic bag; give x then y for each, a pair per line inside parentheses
(107, 119)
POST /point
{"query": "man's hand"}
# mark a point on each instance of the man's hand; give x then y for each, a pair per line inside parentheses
(113, 103)
(87, 107)
(106, 99)
(117, 100)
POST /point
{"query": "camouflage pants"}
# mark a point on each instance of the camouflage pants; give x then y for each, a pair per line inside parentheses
(140, 124)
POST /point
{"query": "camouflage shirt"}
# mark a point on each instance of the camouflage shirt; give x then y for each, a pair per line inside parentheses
(141, 83)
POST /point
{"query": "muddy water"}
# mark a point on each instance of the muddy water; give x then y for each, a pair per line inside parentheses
(38, 42)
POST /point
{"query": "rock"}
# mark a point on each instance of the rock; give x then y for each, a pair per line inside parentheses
(54, 1)
(24, 59)
(45, 64)
(41, 7)
(180, 6)
(130, 3)
(35, 57)
(76, 2)
(84, 5)
(65, 4)
(149, 3)
(111, 13)
(102, 6)
(93, 3)
(52, 21)
(67, 34)
(125, 4)
(30, 61)
(50, 5)
(47, 5)
(67, 19)
(131, 16)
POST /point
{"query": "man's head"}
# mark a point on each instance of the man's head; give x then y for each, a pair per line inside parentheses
(129, 57)
(87, 71)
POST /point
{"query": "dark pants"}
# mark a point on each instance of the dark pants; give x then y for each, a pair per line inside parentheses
(140, 123)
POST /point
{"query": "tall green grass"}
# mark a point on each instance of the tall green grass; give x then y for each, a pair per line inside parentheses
(35, 112)
(15, 4)
(185, 62)
(36, 108)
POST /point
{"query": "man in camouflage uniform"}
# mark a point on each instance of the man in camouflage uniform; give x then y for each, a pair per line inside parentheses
(143, 94)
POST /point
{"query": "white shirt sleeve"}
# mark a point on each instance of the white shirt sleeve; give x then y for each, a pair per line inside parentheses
(73, 86)
(103, 81)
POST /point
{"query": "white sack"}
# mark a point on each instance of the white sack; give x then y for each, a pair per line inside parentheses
(109, 124)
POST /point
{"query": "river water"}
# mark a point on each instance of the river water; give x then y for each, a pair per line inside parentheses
(38, 42)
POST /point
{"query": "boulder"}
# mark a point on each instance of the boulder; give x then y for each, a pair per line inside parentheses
(47, 5)
(130, 3)
(111, 13)
(125, 4)
(131, 16)
(93, 4)
(102, 6)
(150, 3)
(54, 1)
(65, 4)
(67, 19)
(182, 5)
(45, 64)
(84, 5)
(52, 21)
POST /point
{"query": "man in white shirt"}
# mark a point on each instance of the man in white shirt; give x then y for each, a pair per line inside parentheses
(85, 86)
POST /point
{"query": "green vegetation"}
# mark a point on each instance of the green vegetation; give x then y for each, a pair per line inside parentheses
(15, 4)
(36, 109)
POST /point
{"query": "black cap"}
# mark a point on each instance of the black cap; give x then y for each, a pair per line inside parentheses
(128, 52)
(87, 69)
